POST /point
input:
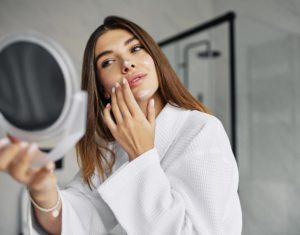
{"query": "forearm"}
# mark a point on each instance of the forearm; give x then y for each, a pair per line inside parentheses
(46, 220)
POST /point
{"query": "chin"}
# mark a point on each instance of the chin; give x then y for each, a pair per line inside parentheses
(143, 95)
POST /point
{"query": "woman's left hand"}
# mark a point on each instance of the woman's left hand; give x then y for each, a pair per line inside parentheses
(132, 129)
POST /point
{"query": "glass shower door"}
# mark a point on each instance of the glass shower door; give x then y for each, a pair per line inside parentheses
(202, 64)
(268, 128)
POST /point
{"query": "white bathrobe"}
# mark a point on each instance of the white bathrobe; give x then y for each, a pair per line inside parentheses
(187, 184)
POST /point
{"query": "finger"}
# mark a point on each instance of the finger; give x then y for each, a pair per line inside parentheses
(32, 171)
(108, 118)
(132, 105)
(19, 169)
(151, 113)
(13, 139)
(3, 143)
(115, 107)
(121, 102)
(8, 154)
(41, 175)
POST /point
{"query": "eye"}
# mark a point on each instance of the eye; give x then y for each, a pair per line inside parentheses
(136, 48)
(106, 63)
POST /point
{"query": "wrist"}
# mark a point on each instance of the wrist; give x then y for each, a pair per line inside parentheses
(44, 197)
(43, 189)
(139, 153)
(47, 205)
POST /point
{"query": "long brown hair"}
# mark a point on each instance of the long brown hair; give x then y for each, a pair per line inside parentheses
(93, 151)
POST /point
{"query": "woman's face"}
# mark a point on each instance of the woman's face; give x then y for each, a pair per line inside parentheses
(120, 55)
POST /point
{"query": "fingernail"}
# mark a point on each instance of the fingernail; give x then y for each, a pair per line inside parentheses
(113, 90)
(117, 85)
(124, 81)
(4, 142)
(152, 103)
(23, 145)
(33, 147)
(50, 166)
(108, 105)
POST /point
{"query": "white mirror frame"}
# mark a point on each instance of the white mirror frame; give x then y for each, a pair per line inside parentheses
(71, 123)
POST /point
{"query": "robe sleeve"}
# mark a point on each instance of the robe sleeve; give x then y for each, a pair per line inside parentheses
(195, 194)
(83, 212)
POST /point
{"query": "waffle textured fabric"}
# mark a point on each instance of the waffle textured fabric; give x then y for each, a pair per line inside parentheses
(187, 184)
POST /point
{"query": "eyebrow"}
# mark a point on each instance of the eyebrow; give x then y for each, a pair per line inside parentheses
(110, 51)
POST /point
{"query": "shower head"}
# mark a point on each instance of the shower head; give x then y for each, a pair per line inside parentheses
(209, 54)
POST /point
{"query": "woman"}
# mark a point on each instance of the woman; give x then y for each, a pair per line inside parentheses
(153, 160)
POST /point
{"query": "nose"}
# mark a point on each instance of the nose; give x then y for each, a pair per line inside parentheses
(127, 66)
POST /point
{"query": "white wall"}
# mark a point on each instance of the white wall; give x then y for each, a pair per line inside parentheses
(70, 23)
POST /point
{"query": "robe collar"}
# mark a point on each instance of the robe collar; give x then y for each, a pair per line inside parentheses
(168, 122)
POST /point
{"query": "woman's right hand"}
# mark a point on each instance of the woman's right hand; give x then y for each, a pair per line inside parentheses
(15, 160)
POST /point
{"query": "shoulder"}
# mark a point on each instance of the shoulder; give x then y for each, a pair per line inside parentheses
(201, 119)
(202, 129)
(201, 136)
(207, 131)
(197, 121)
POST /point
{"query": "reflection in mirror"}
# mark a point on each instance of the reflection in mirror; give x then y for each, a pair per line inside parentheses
(32, 87)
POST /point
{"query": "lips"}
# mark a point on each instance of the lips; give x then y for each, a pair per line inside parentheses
(136, 79)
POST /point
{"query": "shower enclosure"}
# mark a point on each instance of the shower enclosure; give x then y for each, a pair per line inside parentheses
(269, 127)
(204, 59)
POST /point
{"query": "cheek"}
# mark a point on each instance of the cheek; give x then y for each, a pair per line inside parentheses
(148, 61)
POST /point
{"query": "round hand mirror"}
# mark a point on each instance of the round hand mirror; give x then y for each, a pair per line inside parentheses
(40, 96)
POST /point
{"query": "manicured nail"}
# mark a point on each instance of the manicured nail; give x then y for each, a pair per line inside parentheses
(4, 142)
(23, 145)
(124, 81)
(117, 85)
(152, 103)
(113, 90)
(33, 147)
(108, 105)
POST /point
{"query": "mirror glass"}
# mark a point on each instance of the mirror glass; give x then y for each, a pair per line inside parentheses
(32, 86)
(40, 96)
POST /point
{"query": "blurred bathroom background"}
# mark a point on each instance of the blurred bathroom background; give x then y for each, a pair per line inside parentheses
(263, 125)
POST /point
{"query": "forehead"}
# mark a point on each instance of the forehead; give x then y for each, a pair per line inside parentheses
(112, 38)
